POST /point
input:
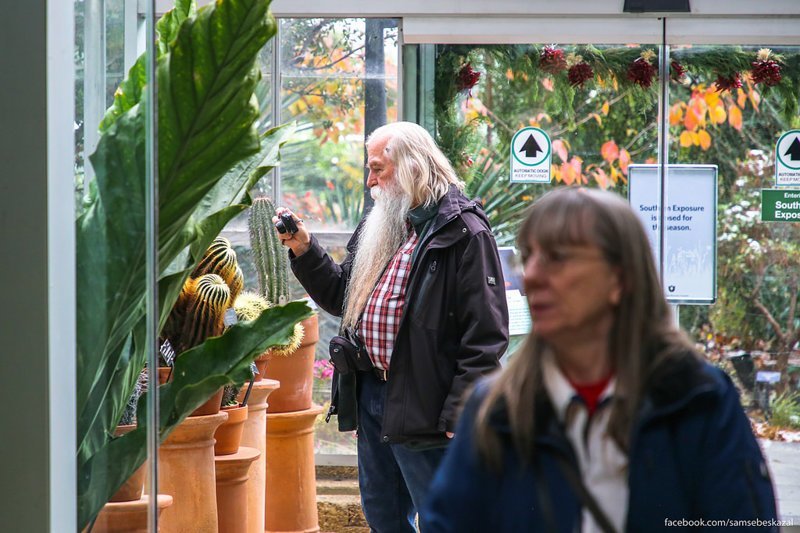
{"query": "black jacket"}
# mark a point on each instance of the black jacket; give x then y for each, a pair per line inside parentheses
(454, 327)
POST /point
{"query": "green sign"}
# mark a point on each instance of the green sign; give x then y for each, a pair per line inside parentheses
(780, 205)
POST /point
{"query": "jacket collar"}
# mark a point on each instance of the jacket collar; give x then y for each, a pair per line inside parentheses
(560, 391)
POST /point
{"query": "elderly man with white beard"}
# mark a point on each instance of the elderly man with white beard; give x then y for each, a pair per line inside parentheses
(422, 290)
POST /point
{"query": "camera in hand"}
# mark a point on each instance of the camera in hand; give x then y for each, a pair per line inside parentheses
(286, 223)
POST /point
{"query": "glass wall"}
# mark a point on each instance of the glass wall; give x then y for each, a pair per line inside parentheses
(726, 106)
(115, 240)
(338, 81)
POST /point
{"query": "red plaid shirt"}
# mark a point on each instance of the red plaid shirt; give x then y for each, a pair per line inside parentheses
(381, 318)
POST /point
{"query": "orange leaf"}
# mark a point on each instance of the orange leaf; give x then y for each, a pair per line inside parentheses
(509, 74)
(755, 98)
(735, 117)
(691, 121)
(676, 115)
(712, 97)
(705, 139)
(741, 98)
(547, 83)
(560, 149)
(567, 174)
(624, 161)
(604, 109)
(686, 139)
(609, 151)
(601, 178)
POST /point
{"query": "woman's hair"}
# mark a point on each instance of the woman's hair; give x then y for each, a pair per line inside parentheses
(422, 170)
(643, 334)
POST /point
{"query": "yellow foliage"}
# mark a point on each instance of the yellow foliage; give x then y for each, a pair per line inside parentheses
(735, 117)
(676, 114)
(605, 107)
(705, 139)
(686, 139)
(718, 114)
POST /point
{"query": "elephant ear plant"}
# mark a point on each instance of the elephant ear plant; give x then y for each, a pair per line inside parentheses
(209, 155)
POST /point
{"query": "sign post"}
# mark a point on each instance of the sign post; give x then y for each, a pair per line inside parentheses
(787, 159)
(779, 205)
(690, 237)
(531, 153)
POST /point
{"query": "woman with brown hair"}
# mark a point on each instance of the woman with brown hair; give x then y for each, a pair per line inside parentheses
(607, 419)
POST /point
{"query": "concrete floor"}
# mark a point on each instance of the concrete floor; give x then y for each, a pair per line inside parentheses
(784, 465)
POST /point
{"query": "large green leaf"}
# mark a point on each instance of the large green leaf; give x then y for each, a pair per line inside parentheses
(102, 474)
(206, 81)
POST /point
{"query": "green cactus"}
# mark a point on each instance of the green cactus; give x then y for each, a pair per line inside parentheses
(249, 305)
(205, 313)
(269, 257)
(220, 259)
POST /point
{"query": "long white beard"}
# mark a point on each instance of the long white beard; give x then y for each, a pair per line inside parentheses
(383, 233)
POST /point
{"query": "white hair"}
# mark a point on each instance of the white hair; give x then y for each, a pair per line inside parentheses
(422, 170)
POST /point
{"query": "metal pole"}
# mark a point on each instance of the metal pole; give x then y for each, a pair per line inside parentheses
(151, 231)
(663, 153)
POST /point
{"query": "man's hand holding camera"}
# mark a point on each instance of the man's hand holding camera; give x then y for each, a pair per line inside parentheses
(291, 231)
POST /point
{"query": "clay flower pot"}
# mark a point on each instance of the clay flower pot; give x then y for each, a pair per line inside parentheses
(261, 364)
(164, 374)
(132, 489)
(229, 434)
(295, 373)
(211, 407)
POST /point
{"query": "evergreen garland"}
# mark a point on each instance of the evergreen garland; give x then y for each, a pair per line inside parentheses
(608, 66)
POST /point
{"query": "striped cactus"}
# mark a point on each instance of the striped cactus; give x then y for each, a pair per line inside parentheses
(206, 312)
(271, 262)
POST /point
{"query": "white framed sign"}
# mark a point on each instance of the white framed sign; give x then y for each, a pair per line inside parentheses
(787, 159)
(531, 153)
(690, 239)
(519, 315)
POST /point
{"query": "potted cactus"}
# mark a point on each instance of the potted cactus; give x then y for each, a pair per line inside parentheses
(291, 364)
(199, 312)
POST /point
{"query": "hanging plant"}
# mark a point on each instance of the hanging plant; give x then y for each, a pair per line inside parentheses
(642, 71)
(765, 69)
(677, 71)
(552, 60)
(728, 83)
(467, 78)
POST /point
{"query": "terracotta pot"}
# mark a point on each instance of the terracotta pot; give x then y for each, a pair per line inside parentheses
(229, 434)
(291, 501)
(128, 517)
(186, 471)
(164, 374)
(232, 474)
(212, 405)
(295, 373)
(255, 436)
(261, 364)
(132, 489)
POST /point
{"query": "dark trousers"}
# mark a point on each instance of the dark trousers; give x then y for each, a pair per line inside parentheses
(393, 478)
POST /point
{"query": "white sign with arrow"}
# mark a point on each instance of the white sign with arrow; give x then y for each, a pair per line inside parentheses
(787, 159)
(530, 156)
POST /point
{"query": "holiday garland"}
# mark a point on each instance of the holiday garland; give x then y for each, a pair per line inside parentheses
(625, 67)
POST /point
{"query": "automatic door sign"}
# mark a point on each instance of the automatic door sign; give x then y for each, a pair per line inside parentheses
(530, 156)
(787, 159)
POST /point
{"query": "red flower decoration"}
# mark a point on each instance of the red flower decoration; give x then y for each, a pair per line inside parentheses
(552, 60)
(579, 73)
(766, 71)
(467, 78)
(641, 72)
(728, 83)
(677, 70)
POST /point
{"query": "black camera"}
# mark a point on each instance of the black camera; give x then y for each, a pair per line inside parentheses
(286, 223)
(348, 354)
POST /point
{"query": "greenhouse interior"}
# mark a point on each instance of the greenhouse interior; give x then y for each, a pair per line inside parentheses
(222, 198)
